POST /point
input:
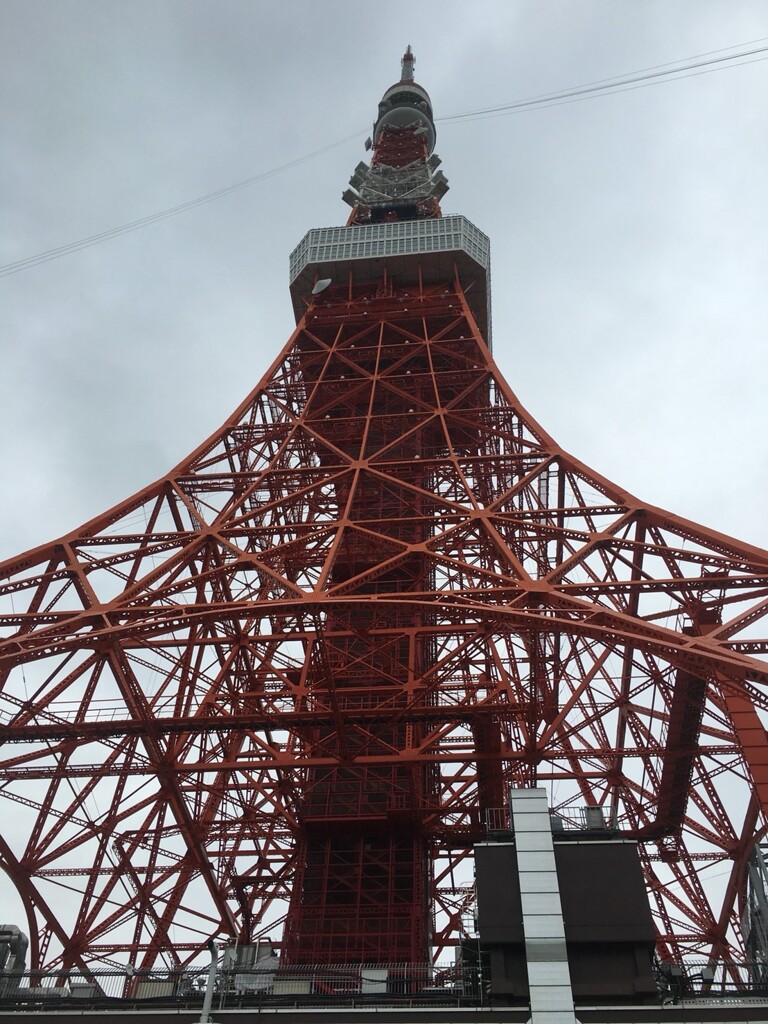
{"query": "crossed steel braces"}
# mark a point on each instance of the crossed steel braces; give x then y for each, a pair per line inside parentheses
(287, 687)
(158, 707)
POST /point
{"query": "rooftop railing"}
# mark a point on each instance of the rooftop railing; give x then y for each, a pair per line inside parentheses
(341, 984)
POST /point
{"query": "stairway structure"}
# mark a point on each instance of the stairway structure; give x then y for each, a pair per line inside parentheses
(283, 689)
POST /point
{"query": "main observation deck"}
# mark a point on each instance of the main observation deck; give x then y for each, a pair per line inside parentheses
(435, 246)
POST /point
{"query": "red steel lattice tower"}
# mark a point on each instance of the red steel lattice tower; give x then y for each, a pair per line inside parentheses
(279, 690)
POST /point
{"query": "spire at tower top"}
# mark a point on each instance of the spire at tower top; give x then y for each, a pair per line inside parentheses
(407, 65)
(400, 183)
(406, 103)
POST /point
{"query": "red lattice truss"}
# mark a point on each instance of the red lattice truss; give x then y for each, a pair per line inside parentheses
(381, 570)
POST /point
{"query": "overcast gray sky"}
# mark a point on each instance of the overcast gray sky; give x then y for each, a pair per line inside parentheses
(628, 233)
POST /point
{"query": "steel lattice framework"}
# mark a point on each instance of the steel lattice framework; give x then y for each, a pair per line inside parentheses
(285, 683)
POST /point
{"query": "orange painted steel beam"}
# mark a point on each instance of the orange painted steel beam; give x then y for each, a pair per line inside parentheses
(279, 690)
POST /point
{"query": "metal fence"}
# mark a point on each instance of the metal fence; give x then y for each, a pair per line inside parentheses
(697, 980)
(336, 985)
(343, 984)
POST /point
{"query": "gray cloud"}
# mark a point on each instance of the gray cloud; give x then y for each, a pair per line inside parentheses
(628, 232)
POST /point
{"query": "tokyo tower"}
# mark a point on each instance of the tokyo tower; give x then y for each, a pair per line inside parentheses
(284, 689)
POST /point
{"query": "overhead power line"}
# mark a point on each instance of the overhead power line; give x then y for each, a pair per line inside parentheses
(656, 75)
(171, 211)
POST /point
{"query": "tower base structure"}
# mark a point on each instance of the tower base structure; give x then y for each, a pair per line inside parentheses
(284, 690)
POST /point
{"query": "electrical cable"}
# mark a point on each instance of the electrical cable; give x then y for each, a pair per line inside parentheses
(654, 75)
(554, 102)
(608, 85)
(172, 211)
